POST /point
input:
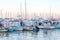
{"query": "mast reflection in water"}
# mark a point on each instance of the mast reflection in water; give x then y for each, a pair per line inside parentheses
(31, 35)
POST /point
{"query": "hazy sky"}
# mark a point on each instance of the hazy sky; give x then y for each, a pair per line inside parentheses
(39, 7)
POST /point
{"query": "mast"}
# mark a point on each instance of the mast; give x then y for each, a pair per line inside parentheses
(25, 11)
(1, 14)
(6, 14)
(21, 10)
(40, 15)
(34, 15)
(51, 14)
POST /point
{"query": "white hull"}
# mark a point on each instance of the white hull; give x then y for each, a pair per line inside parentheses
(46, 27)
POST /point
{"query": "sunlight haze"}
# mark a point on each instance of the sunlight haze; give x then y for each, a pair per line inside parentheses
(41, 8)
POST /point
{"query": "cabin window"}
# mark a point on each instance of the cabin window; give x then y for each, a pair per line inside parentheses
(54, 22)
(1, 25)
(57, 22)
(40, 23)
(46, 22)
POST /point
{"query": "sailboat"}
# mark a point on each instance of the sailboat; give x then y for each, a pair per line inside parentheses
(2, 29)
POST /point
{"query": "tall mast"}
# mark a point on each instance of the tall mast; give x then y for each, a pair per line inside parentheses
(34, 15)
(21, 10)
(25, 11)
(40, 14)
(51, 14)
(6, 14)
(1, 14)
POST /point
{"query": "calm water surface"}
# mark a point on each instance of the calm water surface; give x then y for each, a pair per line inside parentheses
(29, 35)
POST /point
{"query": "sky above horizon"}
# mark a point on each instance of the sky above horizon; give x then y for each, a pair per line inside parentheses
(39, 7)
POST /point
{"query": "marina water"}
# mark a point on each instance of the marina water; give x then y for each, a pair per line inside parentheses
(31, 35)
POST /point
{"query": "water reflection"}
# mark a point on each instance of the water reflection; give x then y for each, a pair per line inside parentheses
(31, 35)
(47, 34)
